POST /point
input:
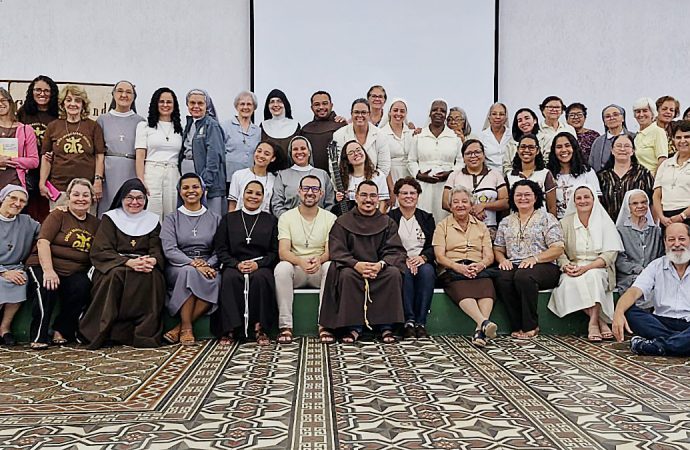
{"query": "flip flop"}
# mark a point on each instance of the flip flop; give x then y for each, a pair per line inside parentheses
(326, 337)
(285, 336)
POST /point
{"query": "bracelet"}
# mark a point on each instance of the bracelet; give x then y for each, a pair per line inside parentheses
(98, 177)
(536, 258)
(683, 216)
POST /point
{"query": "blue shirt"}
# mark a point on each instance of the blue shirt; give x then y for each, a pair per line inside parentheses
(671, 293)
(239, 146)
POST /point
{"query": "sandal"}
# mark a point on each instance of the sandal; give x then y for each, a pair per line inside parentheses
(262, 338)
(172, 336)
(387, 337)
(479, 339)
(326, 337)
(187, 337)
(489, 329)
(351, 337)
(58, 338)
(593, 333)
(517, 334)
(529, 334)
(228, 339)
(285, 336)
(606, 333)
(39, 346)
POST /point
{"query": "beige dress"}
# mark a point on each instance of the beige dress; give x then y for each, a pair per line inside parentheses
(578, 293)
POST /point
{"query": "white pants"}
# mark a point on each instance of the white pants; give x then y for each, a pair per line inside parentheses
(161, 180)
(289, 277)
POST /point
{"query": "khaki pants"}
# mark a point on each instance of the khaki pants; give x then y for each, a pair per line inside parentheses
(289, 277)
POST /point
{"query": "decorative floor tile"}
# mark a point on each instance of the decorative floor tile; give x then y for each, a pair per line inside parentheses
(441, 393)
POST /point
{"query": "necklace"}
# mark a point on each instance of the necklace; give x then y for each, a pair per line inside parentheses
(249, 233)
(521, 232)
(75, 131)
(6, 131)
(307, 236)
(167, 133)
(195, 228)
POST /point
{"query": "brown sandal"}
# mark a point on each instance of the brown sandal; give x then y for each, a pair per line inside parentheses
(262, 338)
(351, 337)
(228, 339)
(187, 337)
(172, 336)
(285, 336)
(326, 337)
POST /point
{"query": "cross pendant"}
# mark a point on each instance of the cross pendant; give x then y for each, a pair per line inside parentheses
(167, 138)
(194, 231)
(122, 138)
(248, 239)
(306, 245)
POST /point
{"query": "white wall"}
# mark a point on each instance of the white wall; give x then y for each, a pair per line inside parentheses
(595, 52)
(154, 43)
(417, 50)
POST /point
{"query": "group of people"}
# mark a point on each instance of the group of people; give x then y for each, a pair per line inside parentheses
(373, 211)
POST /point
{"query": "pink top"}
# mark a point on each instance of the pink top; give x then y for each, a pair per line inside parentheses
(28, 151)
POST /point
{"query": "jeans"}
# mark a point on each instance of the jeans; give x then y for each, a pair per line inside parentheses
(417, 292)
(671, 335)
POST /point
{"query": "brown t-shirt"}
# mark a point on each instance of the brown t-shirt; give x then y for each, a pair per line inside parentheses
(74, 150)
(39, 122)
(70, 241)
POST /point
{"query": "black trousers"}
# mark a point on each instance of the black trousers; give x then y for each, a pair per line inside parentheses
(74, 292)
(519, 290)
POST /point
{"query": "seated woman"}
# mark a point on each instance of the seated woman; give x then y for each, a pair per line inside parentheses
(462, 245)
(642, 241)
(128, 284)
(528, 164)
(63, 248)
(488, 187)
(672, 183)
(247, 244)
(355, 167)
(191, 269)
(588, 279)
(622, 173)
(416, 229)
(569, 169)
(262, 170)
(287, 181)
(17, 234)
(527, 244)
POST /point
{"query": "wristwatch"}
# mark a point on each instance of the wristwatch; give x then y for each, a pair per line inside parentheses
(683, 216)
(98, 177)
(383, 264)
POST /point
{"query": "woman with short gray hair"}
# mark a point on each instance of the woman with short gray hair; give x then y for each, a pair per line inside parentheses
(241, 135)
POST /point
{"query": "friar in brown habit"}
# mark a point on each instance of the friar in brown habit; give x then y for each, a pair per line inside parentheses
(364, 281)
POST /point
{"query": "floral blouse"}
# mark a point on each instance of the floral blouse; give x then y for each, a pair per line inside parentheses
(521, 242)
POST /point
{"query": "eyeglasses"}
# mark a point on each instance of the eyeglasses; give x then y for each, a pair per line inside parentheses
(455, 119)
(528, 147)
(40, 91)
(474, 153)
(306, 189)
(360, 113)
(524, 195)
(575, 116)
(132, 198)
(612, 116)
(377, 96)
(355, 151)
(363, 195)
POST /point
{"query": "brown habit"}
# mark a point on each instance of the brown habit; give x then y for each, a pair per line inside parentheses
(127, 305)
(320, 134)
(356, 238)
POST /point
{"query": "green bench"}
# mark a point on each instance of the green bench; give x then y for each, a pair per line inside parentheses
(445, 318)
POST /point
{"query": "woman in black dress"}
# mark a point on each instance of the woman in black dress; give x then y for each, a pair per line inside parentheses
(247, 244)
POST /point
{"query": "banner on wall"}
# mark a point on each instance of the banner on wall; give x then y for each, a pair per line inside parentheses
(100, 94)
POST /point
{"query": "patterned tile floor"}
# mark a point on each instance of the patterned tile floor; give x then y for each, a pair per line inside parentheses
(441, 393)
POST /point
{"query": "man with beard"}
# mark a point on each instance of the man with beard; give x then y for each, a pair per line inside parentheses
(302, 240)
(365, 278)
(667, 281)
(320, 130)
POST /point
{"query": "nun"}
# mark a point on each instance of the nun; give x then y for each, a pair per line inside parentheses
(192, 264)
(247, 245)
(642, 241)
(17, 234)
(128, 284)
(278, 126)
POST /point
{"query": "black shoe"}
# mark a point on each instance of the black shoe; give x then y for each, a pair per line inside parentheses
(8, 339)
(409, 332)
(421, 332)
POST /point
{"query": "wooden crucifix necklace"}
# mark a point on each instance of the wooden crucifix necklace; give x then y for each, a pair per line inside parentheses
(249, 233)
